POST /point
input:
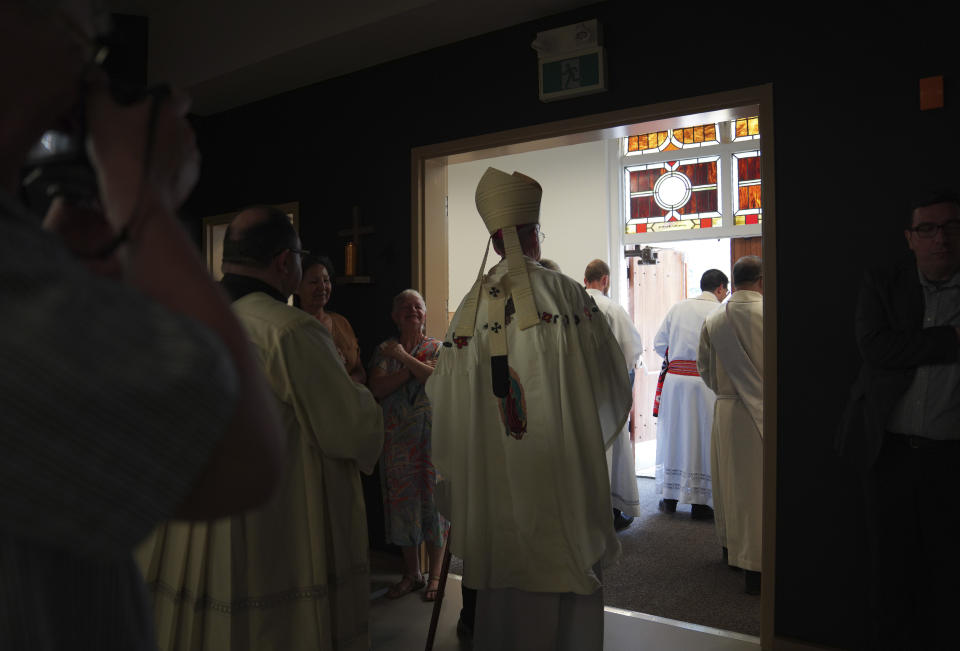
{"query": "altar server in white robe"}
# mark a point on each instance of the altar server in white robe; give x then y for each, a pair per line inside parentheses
(686, 404)
(529, 389)
(620, 460)
(730, 361)
(294, 574)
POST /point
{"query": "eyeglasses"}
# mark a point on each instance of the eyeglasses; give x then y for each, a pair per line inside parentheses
(302, 252)
(928, 231)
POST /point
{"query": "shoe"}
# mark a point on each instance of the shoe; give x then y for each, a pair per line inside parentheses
(701, 512)
(668, 506)
(751, 581)
(464, 630)
(433, 588)
(621, 521)
(406, 585)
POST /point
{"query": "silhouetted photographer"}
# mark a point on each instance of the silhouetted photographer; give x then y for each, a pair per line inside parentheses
(129, 392)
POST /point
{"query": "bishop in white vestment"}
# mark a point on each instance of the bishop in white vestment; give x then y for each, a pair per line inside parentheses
(686, 405)
(294, 574)
(529, 389)
(730, 361)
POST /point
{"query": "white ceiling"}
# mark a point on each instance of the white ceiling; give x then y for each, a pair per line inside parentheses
(228, 53)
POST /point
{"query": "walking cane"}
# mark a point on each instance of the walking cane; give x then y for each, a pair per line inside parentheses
(441, 588)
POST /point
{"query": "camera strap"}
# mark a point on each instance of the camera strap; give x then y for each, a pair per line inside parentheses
(157, 96)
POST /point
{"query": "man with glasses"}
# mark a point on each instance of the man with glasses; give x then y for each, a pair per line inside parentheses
(293, 574)
(621, 466)
(903, 428)
(128, 399)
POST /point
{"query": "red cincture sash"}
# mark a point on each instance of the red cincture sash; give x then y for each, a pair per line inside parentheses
(683, 367)
(663, 375)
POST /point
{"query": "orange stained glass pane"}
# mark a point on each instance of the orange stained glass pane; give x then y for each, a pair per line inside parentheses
(688, 136)
(710, 132)
(632, 143)
(748, 168)
(698, 134)
(754, 126)
(644, 180)
(648, 141)
(670, 147)
(749, 197)
(741, 128)
(700, 173)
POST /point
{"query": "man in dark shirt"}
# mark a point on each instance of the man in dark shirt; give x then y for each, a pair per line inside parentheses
(903, 428)
(125, 400)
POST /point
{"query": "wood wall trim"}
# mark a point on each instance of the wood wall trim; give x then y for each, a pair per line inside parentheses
(770, 374)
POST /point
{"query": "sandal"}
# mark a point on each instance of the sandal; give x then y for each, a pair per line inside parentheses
(406, 585)
(433, 588)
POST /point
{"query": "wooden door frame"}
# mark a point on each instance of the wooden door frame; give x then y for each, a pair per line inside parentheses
(429, 265)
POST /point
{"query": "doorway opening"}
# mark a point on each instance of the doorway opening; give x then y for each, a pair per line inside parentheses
(448, 236)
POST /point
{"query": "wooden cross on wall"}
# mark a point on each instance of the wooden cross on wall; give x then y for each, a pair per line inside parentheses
(354, 233)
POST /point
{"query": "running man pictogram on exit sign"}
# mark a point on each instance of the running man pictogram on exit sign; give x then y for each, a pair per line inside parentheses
(573, 74)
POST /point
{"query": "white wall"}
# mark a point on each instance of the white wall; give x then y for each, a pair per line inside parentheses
(573, 212)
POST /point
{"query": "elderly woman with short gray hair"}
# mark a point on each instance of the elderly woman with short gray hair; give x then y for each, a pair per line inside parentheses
(399, 369)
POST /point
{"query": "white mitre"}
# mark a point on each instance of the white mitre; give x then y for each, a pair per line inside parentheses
(504, 202)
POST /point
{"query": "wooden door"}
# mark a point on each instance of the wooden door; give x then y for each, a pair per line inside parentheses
(741, 246)
(654, 289)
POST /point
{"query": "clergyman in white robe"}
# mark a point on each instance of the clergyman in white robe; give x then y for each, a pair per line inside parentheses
(730, 361)
(530, 497)
(686, 406)
(622, 466)
(294, 573)
(529, 389)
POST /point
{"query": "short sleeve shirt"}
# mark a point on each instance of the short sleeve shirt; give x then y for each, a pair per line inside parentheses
(111, 406)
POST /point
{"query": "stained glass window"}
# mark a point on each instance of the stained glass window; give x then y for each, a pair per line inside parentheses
(672, 139)
(717, 185)
(647, 142)
(748, 208)
(674, 195)
(746, 129)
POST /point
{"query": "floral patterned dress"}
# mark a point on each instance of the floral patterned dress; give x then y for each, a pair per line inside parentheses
(406, 472)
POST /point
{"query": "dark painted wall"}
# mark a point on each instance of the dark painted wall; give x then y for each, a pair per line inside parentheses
(852, 147)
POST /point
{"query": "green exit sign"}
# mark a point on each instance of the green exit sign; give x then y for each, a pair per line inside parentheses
(580, 73)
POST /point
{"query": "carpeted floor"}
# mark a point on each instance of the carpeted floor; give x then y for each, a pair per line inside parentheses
(671, 566)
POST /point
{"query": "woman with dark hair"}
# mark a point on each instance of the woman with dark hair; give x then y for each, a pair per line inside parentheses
(314, 293)
(399, 369)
